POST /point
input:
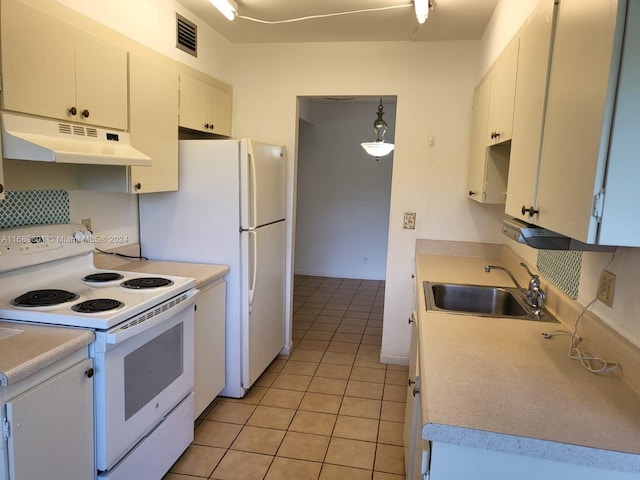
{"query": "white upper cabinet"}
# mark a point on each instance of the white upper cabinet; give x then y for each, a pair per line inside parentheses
(153, 110)
(491, 127)
(589, 164)
(205, 106)
(503, 89)
(54, 70)
(2, 187)
(528, 116)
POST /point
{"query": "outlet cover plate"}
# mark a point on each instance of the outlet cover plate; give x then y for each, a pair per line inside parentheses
(606, 287)
(409, 222)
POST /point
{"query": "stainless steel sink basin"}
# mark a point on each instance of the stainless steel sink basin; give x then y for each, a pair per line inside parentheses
(479, 300)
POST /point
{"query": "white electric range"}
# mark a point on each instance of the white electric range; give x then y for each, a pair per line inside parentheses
(143, 353)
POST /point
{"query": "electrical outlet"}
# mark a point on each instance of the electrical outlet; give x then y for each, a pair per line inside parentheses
(87, 223)
(409, 221)
(606, 287)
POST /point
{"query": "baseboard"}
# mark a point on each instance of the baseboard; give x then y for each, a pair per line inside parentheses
(394, 359)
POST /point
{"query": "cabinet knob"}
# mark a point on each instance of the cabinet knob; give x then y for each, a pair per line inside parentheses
(73, 111)
(531, 211)
(89, 373)
(410, 320)
(211, 126)
(85, 113)
(472, 193)
(412, 382)
(416, 391)
(137, 186)
(494, 135)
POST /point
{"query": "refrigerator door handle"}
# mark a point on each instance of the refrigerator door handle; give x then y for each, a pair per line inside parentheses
(254, 266)
(252, 187)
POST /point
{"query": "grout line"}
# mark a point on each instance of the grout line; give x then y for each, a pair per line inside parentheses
(373, 293)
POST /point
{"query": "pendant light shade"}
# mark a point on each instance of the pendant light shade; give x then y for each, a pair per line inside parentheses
(378, 148)
(422, 10)
(229, 8)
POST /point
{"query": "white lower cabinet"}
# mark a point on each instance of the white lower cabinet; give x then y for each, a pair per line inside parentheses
(210, 345)
(455, 462)
(416, 451)
(48, 428)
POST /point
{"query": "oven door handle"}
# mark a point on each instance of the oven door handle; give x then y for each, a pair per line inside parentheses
(149, 319)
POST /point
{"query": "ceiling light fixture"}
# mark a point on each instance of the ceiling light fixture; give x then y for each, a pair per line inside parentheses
(422, 10)
(378, 148)
(229, 8)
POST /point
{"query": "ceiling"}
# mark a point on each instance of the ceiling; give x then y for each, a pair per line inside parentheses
(448, 20)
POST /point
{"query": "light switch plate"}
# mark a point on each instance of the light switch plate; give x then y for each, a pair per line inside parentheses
(409, 222)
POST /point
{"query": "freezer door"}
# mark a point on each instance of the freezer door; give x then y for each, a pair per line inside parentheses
(263, 318)
(263, 183)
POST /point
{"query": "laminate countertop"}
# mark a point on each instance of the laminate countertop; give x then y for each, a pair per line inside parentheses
(28, 348)
(498, 384)
(204, 273)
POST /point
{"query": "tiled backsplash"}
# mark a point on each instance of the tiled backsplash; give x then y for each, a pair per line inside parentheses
(562, 268)
(34, 207)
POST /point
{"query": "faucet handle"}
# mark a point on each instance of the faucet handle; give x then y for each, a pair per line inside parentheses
(531, 274)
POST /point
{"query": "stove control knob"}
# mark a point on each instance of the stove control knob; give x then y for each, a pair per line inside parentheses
(78, 236)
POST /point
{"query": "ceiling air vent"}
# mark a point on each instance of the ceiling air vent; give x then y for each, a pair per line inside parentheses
(186, 35)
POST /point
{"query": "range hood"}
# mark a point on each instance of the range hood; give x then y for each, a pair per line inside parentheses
(541, 238)
(48, 140)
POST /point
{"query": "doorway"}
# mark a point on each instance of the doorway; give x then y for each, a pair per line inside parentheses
(343, 194)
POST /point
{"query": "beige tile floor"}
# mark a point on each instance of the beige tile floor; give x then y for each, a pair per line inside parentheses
(328, 411)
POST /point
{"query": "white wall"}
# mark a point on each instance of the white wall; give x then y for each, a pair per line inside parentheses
(114, 216)
(504, 23)
(434, 84)
(343, 193)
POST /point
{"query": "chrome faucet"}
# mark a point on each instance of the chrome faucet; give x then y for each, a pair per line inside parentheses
(488, 268)
(534, 295)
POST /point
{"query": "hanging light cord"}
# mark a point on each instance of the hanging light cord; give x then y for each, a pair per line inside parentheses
(324, 15)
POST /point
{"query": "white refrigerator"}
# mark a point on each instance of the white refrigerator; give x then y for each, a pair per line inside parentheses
(229, 209)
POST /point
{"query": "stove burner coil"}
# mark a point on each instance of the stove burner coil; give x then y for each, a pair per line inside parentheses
(43, 298)
(97, 305)
(146, 282)
(103, 277)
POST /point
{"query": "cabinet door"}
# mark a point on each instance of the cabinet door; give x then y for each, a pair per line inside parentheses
(51, 428)
(477, 147)
(210, 346)
(220, 104)
(194, 98)
(154, 124)
(101, 83)
(2, 187)
(533, 67)
(577, 121)
(412, 406)
(38, 66)
(503, 90)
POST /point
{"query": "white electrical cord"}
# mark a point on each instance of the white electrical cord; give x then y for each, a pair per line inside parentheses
(590, 361)
(324, 15)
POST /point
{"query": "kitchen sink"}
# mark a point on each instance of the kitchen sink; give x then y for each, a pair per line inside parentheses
(479, 300)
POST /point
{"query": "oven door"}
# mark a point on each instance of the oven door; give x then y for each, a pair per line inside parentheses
(142, 372)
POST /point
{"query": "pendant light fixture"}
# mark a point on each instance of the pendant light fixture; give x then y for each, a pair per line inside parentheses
(422, 10)
(378, 148)
(229, 8)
